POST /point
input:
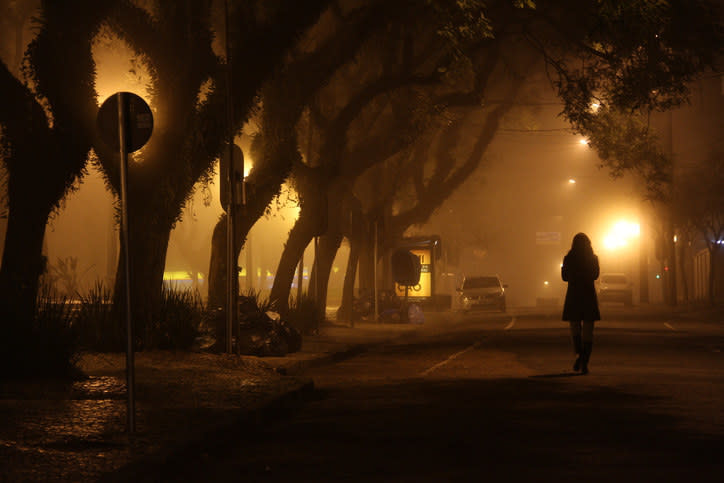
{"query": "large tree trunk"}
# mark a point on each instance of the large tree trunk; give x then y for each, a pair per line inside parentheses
(329, 244)
(22, 262)
(344, 313)
(217, 278)
(338, 210)
(713, 255)
(367, 256)
(148, 238)
(278, 153)
(305, 228)
(44, 161)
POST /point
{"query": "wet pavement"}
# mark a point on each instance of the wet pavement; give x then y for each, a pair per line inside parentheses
(55, 431)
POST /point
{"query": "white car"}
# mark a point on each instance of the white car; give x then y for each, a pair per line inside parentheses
(482, 292)
(615, 287)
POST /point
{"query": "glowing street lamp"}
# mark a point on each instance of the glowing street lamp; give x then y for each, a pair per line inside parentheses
(620, 235)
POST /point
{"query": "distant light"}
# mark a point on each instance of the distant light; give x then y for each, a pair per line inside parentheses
(545, 283)
(666, 269)
(612, 242)
(620, 234)
(583, 141)
(595, 106)
(627, 229)
(181, 275)
(676, 238)
(658, 276)
(571, 181)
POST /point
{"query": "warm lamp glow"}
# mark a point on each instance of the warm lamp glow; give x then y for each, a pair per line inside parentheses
(620, 234)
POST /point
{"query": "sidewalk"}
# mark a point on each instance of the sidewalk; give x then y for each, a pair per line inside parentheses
(185, 403)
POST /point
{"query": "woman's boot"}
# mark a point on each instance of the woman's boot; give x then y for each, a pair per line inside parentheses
(585, 356)
(579, 351)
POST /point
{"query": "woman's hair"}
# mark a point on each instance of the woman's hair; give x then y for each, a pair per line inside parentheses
(581, 245)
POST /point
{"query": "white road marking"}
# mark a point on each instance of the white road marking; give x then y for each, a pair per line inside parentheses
(449, 359)
(669, 326)
(510, 324)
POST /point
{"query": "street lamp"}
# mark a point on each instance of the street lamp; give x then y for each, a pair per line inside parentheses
(620, 234)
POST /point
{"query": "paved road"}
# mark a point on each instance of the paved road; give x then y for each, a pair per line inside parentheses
(493, 398)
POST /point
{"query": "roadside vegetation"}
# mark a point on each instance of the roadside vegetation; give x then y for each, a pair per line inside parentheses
(64, 328)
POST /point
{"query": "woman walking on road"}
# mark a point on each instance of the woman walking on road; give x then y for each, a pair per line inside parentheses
(580, 269)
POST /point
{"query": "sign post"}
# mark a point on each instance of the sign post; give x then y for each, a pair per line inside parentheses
(125, 123)
(231, 168)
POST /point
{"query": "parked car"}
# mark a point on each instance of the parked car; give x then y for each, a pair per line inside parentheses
(615, 287)
(482, 292)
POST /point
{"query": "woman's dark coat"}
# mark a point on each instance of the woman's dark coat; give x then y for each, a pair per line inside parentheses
(581, 301)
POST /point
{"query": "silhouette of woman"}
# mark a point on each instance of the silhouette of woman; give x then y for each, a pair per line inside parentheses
(580, 269)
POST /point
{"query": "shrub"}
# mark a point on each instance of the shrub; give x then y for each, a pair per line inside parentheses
(305, 315)
(178, 323)
(47, 346)
(100, 327)
(253, 301)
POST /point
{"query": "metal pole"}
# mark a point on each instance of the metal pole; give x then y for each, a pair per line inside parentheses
(231, 262)
(130, 372)
(313, 286)
(374, 275)
(300, 278)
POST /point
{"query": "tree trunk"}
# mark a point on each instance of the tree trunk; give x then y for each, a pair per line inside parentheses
(305, 228)
(217, 278)
(344, 313)
(148, 238)
(329, 244)
(337, 221)
(22, 262)
(367, 258)
(713, 253)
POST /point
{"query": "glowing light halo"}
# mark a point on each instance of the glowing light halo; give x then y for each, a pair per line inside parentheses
(620, 234)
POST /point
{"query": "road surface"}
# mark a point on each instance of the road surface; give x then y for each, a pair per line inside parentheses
(492, 397)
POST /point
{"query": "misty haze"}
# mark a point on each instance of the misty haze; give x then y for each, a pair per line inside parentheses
(361, 240)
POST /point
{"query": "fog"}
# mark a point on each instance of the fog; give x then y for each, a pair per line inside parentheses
(537, 186)
(505, 219)
(86, 229)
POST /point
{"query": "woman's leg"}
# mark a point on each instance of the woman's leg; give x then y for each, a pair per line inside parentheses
(587, 345)
(576, 337)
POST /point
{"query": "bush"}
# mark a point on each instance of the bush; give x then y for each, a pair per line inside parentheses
(99, 326)
(45, 347)
(178, 324)
(305, 315)
(102, 328)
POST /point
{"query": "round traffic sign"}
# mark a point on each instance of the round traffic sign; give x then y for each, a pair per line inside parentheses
(138, 121)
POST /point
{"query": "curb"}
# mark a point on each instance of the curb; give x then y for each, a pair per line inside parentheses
(297, 367)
